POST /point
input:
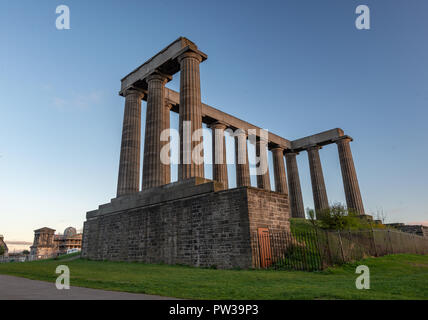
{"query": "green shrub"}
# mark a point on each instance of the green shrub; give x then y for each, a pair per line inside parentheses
(338, 217)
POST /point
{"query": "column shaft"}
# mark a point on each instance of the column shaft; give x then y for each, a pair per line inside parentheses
(241, 160)
(349, 176)
(295, 191)
(219, 154)
(317, 178)
(129, 165)
(263, 179)
(155, 171)
(279, 170)
(191, 145)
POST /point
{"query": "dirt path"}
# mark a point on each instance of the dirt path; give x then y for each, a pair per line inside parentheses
(13, 288)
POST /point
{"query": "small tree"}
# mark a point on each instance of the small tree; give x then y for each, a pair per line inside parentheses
(338, 217)
(26, 252)
(311, 216)
(2, 251)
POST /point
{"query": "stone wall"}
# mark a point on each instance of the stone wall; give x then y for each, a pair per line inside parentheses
(204, 227)
(419, 230)
(416, 229)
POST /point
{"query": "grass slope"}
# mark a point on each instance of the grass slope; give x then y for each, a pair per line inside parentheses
(392, 277)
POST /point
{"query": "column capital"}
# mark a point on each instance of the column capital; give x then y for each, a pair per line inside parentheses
(344, 139)
(262, 140)
(277, 149)
(164, 78)
(190, 55)
(240, 132)
(313, 147)
(132, 91)
(218, 125)
(290, 152)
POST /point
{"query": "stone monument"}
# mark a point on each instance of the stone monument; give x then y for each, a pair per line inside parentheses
(196, 221)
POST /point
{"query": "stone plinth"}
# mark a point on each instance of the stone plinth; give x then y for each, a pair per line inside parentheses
(192, 222)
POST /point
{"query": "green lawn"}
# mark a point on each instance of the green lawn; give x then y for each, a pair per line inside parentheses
(392, 277)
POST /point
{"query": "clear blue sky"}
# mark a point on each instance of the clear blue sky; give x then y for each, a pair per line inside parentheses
(293, 67)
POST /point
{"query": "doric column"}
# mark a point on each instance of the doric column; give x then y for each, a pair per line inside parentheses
(317, 178)
(167, 171)
(155, 172)
(190, 117)
(219, 154)
(279, 170)
(129, 165)
(294, 188)
(241, 159)
(349, 176)
(263, 179)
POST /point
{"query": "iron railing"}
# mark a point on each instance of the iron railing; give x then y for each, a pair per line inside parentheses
(317, 249)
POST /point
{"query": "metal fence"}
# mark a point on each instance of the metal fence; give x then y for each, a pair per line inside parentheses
(318, 249)
(25, 258)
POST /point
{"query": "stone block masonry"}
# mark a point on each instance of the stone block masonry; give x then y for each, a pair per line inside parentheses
(193, 222)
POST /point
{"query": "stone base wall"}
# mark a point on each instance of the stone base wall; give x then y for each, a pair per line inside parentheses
(200, 227)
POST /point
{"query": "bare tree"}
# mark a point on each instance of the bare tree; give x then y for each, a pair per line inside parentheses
(381, 215)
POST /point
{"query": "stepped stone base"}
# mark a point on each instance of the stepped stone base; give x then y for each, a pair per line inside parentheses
(193, 222)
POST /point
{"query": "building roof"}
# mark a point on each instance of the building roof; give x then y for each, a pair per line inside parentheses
(46, 229)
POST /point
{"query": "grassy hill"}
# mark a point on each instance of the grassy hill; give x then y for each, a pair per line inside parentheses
(392, 277)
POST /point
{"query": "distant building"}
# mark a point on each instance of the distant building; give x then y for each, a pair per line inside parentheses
(43, 244)
(4, 246)
(69, 240)
(47, 243)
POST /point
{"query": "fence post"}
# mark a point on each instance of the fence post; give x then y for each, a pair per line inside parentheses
(390, 242)
(341, 246)
(328, 247)
(414, 238)
(374, 243)
(318, 248)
